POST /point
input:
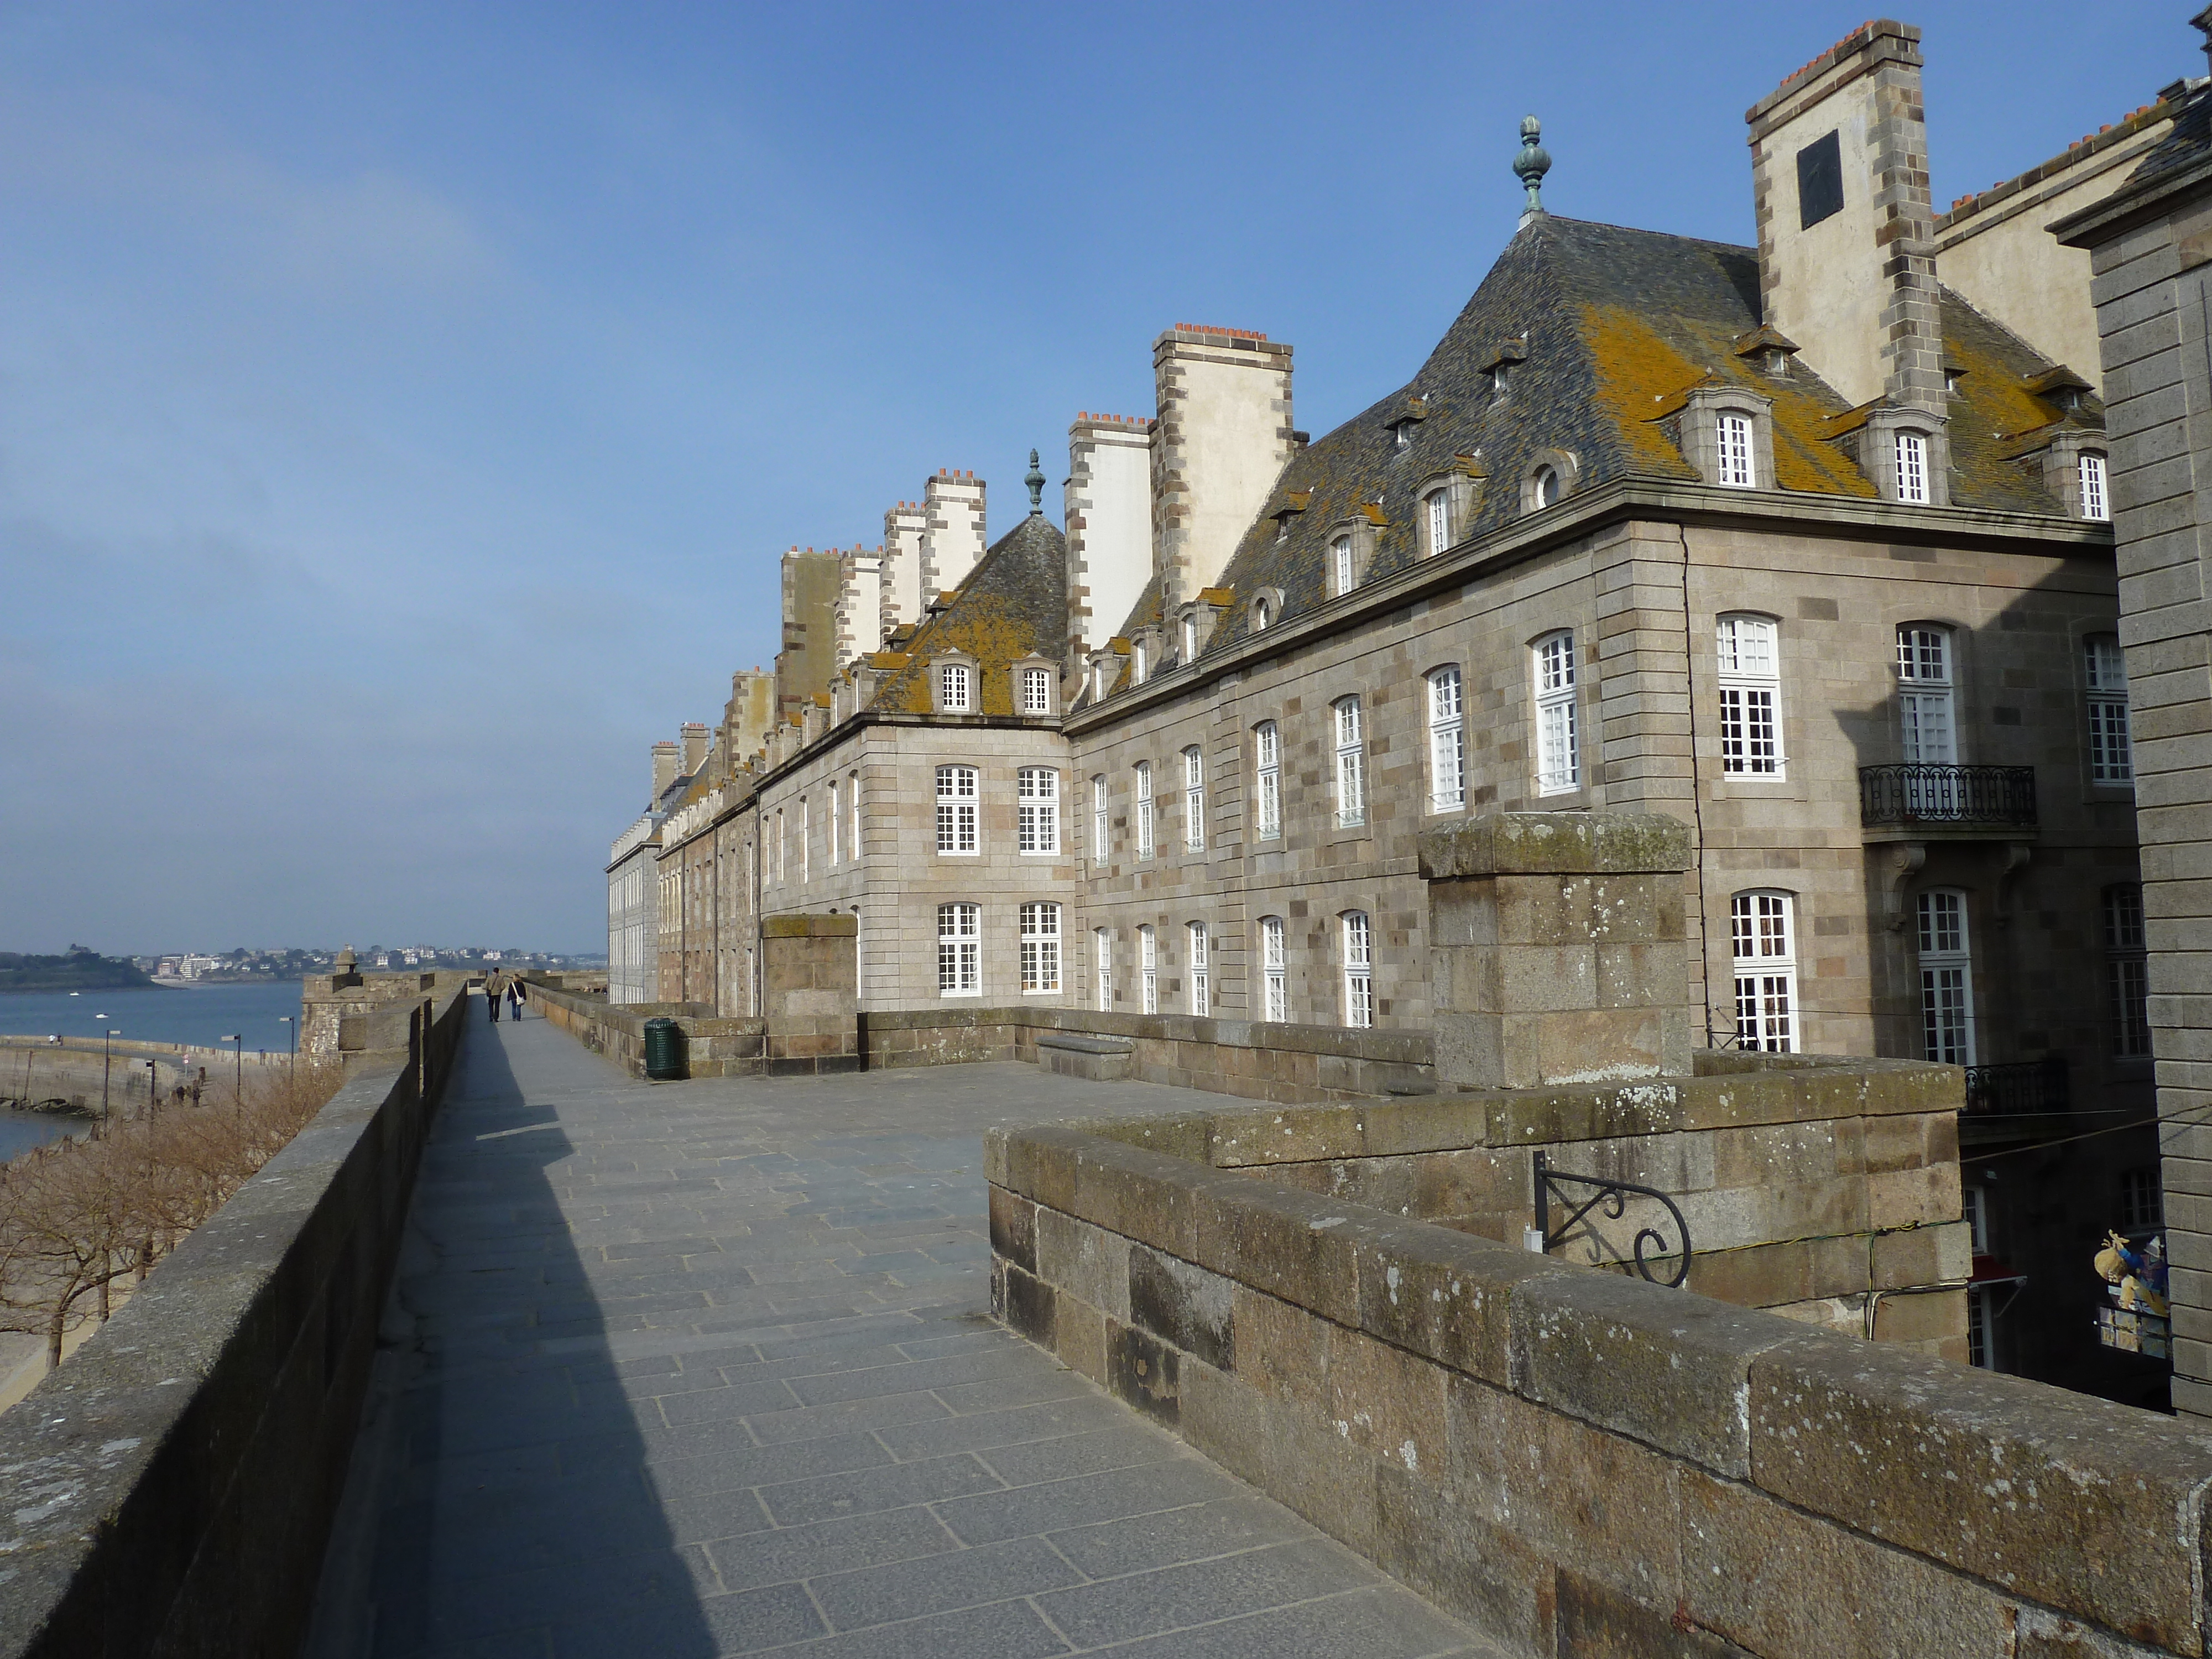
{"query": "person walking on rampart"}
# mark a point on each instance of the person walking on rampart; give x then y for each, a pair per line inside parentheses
(495, 989)
(514, 997)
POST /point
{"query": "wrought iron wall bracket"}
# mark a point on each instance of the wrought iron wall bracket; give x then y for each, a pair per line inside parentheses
(1612, 1196)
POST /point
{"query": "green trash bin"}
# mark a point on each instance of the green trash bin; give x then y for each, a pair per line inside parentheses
(664, 1050)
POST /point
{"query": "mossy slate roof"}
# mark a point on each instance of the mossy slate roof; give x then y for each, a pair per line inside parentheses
(1013, 605)
(1607, 328)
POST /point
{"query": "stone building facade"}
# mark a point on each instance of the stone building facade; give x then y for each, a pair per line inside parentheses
(1794, 544)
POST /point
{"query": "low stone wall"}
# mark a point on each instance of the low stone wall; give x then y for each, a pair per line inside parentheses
(171, 1487)
(34, 1070)
(1288, 1064)
(714, 1045)
(1578, 1463)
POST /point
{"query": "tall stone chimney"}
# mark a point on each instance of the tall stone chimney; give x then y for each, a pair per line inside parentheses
(1223, 437)
(748, 716)
(667, 766)
(860, 603)
(696, 745)
(952, 531)
(1846, 229)
(1109, 511)
(808, 661)
(903, 531)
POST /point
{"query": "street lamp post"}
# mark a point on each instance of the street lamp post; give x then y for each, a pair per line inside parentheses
(292, 1029)
(153, 1085)
(238, 1067)
(107, 1065)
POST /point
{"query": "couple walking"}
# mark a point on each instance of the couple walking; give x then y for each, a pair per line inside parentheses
(508, 985)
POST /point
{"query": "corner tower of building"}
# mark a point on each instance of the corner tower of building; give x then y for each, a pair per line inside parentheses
(1222, 436)
(1846, 227)
(1107, 506)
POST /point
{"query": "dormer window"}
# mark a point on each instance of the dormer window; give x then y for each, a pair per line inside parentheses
(1404, 433)
(1544, 487)
(1189, 638)
(955, 688)
(1777, 364)
(1911, 466)
(1259, 617)
(1437, 514)
(1497, 378)
(1036, 691)
(1097, 681)
(1340, 565)
(1736, 470)
(1139, 662)
(2095, 503)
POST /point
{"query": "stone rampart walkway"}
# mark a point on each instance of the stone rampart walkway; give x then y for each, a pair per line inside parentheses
(704, 1367)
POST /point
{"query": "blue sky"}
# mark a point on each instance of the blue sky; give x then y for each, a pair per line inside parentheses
(403, 408)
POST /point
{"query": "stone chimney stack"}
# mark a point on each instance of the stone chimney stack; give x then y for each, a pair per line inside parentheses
(695, 747)
(1222, 439)
(903, 531)
(1846, 229)
(859, 605)
(1108, 504)
(808, 661)
(748, 716)
(667, 766)
(952, 531)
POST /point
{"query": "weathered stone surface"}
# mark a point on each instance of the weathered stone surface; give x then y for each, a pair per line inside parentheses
(1293, 1244)
(1141, 1195)
(1468, 1565)
(1185, 1306)
(2092, 1508)
(1141, 1371)
(1782, 1582)
(1446, 1295)
(1594, 1622)
(1087, 1261)
(1022, 1301)
(1669, 1367)
(1498, 843)
(1013, 1228)
(1384, 1401)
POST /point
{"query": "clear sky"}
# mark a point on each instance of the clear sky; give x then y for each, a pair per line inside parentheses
(402, 407)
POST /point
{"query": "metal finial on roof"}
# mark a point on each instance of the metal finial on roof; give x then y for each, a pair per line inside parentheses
(1530, 166)
(1035, 481)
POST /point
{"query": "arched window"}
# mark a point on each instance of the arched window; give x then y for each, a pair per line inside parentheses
(1260, 616)
(1447, 742)
(1359, 947)
(1911, 466)
(1036, 691)
(1201, 996)
(957, 810)
(1559, 745)
(1040, 948)
(2095, 503)
(953, 688)
(1751, 696)
(1038, 797)
(959, 950)
(2111, 754)
(1340, 565)
(1763, 937)
(1946, 978)
(1350, 762)
(1268, 775)
(1144, 809)
(1274, 970)
(1194, 798)
(2127, 973)
(1734, 433)
(1148, 968)
(1102, 963)
(1544, 487)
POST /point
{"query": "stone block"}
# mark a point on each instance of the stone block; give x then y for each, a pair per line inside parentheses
(1014, 1229)
(1087, 1261)
(1445, 1295)
(1910, 1198)
(1041, 1165)
(2090, 1508)
(1384, 1401)
(1295, 1245)
(1591, 1621)
(1021, 1302)
(1473, 1570)
(1078, 1335)
(1141, 1371)
(1144, 1196)
(1227, 1418)
(1184, 1305)
(1669, 1367)
(1514, 843)
(1282, 1349)
(1925, 1256)
(1316, 1472)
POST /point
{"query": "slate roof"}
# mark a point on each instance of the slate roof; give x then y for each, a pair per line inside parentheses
(1013, 605)
(2191, 140)
(1611, 327)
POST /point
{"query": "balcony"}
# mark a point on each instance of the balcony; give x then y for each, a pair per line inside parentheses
(1997, 799)
(2020, 1089)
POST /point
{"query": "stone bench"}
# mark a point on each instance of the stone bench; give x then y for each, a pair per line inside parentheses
(1075, 1054)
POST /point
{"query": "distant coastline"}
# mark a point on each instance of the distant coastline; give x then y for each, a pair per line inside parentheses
(80, 970)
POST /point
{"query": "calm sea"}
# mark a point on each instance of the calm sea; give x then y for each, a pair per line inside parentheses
(159, 1014)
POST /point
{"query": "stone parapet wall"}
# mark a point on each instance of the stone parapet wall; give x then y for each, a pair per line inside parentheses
(1578, 1463)
(714, 1046)
(171, 1487)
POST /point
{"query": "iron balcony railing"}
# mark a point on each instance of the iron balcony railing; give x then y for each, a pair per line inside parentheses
(1997, 796)
(2018, 1089)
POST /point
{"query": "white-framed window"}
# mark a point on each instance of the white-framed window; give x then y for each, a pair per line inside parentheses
(853, 807)
(782, 848)
(2096, 502)
(1351, 762)
(2111, 754)
(805, 840)
(1037, 798)
(1102, 966)
(1927, 730)
(1439, 503)
(1751, 696)
(1358, 938)
(1097, 681)
(1098, 822)
(956, 810)
(1194, 798)
(955, 688)
(1259, 614)
(1946, 978)
(1268, 779)
(1201, 996)
(1148, 968)
(1544, 487)
(1447, 742)
(1036, 691)
(2127, 973)
(1736, 472)
(1140, 657)
(1189, 638)
(1040, 948)
(1274, 970)
(1340, 565)
(1911, 467)
(836, 855)
(1558, 733)
(959, 950)
(1144, 809)
(1763, 938)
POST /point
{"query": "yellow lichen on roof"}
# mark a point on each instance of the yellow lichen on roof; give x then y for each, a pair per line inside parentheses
(988, 629)
(1997, 394)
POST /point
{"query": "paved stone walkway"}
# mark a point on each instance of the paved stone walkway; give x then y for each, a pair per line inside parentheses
(704, 1367)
